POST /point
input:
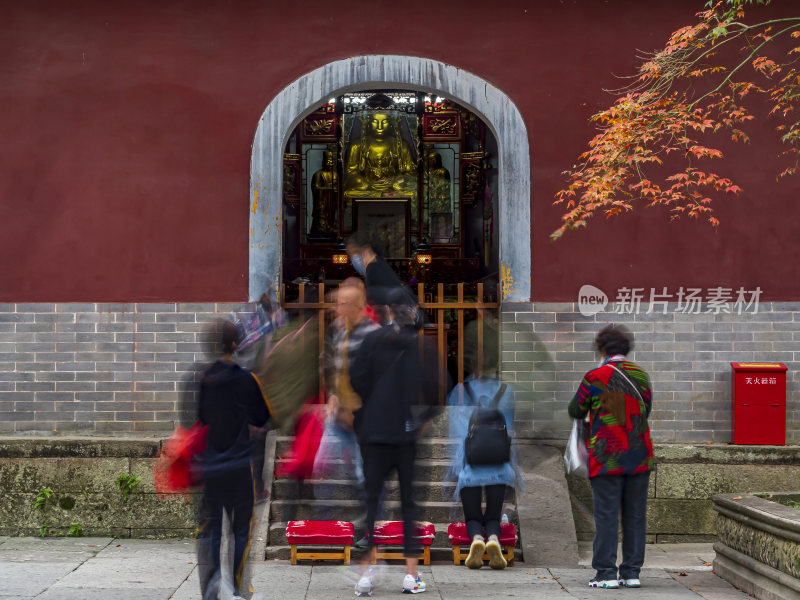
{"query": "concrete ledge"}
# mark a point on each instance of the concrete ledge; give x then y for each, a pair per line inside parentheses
(82, 473)
(753, 577)
(147, 447)
(758, 547)
(760, 513)
(727, 454)
(78, 447)
(258, 547)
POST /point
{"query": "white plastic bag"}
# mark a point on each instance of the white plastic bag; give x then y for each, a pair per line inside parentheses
(576, 457)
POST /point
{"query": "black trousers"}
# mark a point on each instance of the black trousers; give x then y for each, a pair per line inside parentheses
(379, 461)
(477, 519)
(614, 494)
(233, 493)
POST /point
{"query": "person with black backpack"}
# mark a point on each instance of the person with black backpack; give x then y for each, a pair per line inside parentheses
(481, 421)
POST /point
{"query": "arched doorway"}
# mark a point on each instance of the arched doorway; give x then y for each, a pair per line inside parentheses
(311, 91)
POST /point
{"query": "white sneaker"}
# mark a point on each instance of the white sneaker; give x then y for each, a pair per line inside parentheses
(610, 584)
(413, 586)
(364, 586)
(476, 549)
(631, 583)
(495, 552)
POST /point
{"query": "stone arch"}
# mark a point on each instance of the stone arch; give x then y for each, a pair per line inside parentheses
(302, 96)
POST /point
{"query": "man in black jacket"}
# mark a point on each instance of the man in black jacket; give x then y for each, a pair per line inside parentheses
(381, 281)
(398, 391)
(230, 400)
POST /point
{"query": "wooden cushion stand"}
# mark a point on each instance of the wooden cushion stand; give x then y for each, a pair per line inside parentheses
(320, 533)
(390, 533)
(457, 533)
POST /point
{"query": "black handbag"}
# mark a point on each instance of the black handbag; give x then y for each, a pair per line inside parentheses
(487, 441)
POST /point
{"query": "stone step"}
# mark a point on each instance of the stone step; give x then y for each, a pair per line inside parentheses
(347, 510)
(338, 496)
(425, 469)
(439, 427)
(349, 489)
(427, 447)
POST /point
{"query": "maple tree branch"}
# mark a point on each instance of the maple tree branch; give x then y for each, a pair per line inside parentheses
(672, 67)
(652, 119)
(743, 63)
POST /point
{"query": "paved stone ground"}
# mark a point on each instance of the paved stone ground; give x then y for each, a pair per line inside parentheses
(104, 568)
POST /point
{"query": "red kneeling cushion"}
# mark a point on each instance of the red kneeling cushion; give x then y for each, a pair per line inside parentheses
(390, 533)
(319, 532)
(457, 533)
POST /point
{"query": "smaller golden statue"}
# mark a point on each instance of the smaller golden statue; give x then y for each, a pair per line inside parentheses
(324, 192)
(438, 185)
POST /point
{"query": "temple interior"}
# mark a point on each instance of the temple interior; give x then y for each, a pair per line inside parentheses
(413, 171)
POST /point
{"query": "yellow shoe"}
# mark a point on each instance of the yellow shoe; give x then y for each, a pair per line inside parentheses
(495, 552)
(476, 549)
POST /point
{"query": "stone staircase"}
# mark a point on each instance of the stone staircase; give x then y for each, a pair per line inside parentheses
(339, 498)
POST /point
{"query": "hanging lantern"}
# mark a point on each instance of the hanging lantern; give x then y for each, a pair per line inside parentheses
(340, 254)
(423, 253)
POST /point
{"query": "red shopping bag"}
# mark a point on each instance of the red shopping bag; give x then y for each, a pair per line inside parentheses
(308, 433)
(172, 470)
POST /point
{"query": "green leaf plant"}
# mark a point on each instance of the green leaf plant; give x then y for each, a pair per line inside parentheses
(42, 497)
(127, 483)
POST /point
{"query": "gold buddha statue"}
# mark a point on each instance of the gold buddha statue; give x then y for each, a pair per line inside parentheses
(380, 162)
(324, 193)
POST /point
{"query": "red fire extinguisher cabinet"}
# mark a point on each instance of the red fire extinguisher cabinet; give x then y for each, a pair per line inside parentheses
(759, 403)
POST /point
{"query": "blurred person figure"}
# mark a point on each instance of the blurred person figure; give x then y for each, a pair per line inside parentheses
(255, 329)
(482, 391)
(617, 397)
(346, 334)
(488, 364)
(256, 324)
(230, 401)
(381, 281)
(190, 384)
(398, 388)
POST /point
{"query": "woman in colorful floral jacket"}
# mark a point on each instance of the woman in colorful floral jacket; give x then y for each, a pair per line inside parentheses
(617, 398)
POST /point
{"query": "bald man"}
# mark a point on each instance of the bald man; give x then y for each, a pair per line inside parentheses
(347, 333)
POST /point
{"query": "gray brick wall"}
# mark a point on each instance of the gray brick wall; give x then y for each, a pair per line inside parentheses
(109, 368)
(101, 368)
(547, 347)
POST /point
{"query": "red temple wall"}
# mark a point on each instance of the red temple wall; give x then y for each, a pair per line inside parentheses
(127, 129)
